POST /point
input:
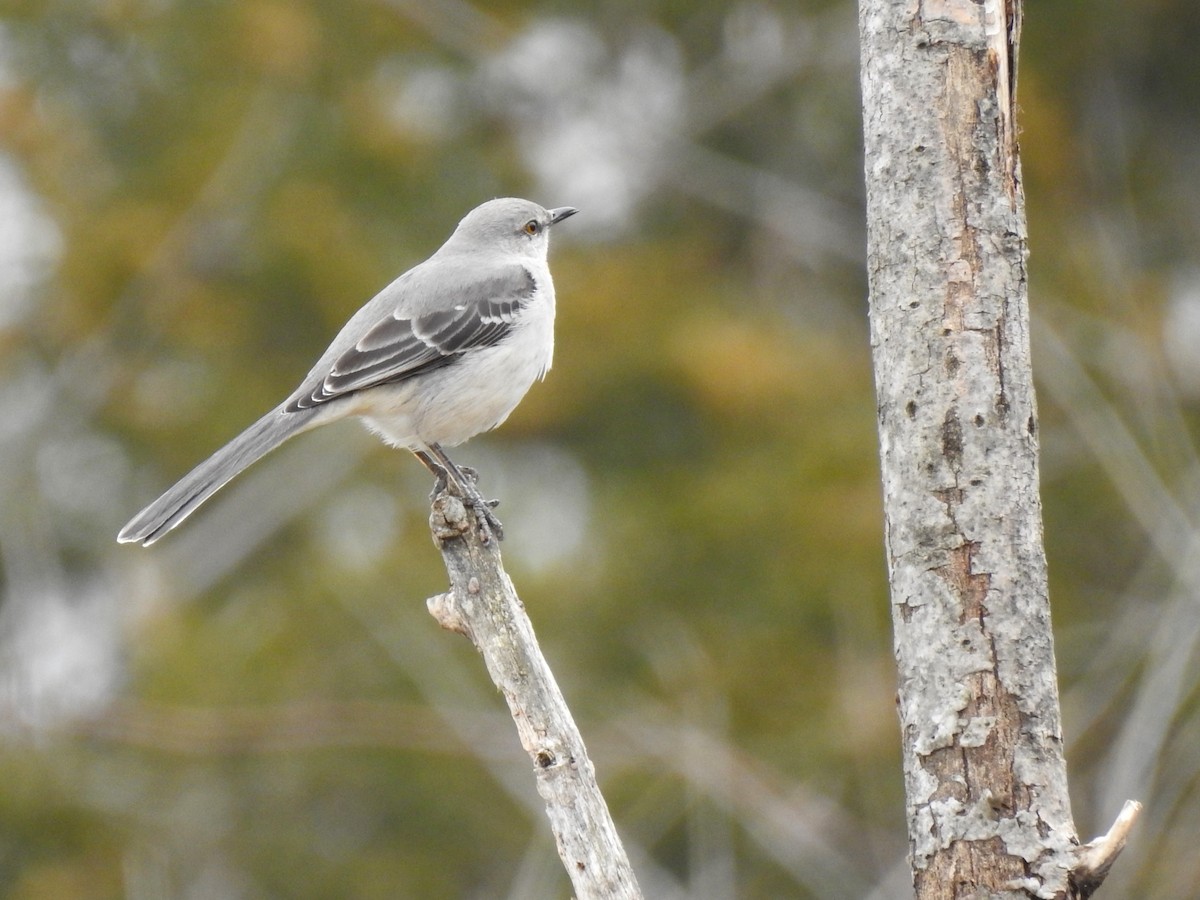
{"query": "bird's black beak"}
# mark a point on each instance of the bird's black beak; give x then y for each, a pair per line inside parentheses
(563, 212)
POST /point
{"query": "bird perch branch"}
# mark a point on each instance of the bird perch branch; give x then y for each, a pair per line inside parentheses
(483, 605)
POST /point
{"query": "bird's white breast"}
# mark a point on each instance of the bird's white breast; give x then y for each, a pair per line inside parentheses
(476, 392)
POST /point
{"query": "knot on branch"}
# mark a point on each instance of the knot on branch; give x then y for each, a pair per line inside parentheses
(448, 517)
(446, 610)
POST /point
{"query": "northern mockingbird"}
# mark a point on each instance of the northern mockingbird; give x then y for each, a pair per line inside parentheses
(445, 351)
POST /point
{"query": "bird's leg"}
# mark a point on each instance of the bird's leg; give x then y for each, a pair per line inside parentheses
(440, 475)
(484, 517)
(440, 471)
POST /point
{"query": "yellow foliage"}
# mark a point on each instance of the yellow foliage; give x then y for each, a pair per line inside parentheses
(279, 39)
(735, 365)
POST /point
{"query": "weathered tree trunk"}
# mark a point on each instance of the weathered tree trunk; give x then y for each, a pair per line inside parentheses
(985, 776)
(483, 605)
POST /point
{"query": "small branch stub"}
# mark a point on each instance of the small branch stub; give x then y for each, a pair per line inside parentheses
(483, 605)
(1096, 857)
(443, 608)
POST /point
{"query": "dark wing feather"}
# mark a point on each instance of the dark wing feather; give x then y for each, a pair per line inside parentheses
(399, 348)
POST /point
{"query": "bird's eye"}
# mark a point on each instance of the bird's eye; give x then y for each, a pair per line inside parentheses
(532, 227)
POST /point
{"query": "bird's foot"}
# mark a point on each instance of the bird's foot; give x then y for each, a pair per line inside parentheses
(485, 519)
(461, 481)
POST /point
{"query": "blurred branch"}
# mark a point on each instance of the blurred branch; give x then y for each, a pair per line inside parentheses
(483, 605)
(313, 724)
(267, 498)
(809, 835)
(1166, 513)
(253, 158)
(1168, 524)
(454, 24)
(799, 828)
(815, 228)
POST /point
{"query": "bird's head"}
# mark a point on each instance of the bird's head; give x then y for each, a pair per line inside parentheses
(508, 225)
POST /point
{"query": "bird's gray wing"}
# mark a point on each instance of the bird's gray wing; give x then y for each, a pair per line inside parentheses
(477, 312)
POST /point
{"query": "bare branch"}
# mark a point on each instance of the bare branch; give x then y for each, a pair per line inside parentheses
(483, 605)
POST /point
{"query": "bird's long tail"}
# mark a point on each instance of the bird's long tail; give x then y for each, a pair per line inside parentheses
(214, 473)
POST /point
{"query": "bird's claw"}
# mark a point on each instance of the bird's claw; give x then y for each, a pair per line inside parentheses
(486, 520)
(484, 517)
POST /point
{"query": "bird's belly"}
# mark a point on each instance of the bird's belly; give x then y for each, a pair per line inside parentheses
(469, 396)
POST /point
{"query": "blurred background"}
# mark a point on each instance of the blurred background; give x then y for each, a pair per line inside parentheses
(195, 195)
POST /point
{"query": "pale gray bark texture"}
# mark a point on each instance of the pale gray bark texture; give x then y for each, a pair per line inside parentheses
(483, 605)
(985, 776)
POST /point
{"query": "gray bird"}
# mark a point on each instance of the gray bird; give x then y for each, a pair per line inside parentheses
(444, 352)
